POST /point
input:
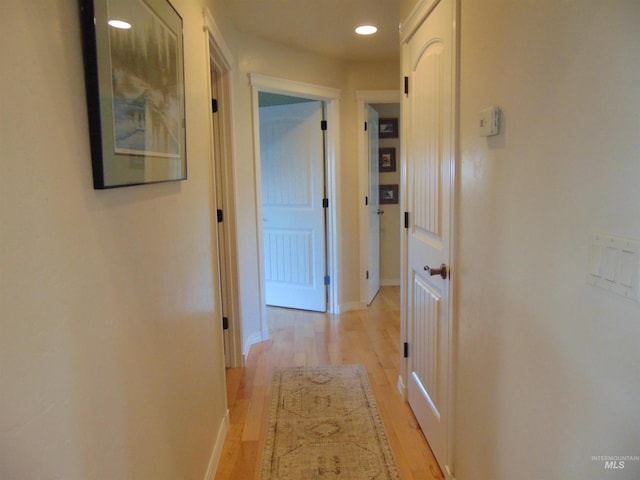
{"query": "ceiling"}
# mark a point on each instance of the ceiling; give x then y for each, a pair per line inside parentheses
(322, 26)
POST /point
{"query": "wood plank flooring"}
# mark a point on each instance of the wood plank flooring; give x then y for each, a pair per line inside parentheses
(296, 338)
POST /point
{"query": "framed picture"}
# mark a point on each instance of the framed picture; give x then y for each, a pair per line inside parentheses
(388, 128)
(134, 77)
(387, 160)
(388, 194)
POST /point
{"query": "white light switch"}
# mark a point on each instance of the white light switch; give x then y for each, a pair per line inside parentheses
(614, 264)
(489, 121)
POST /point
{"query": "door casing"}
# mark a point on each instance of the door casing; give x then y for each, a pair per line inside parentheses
(364, 98)
(219, 57)
(331, 97)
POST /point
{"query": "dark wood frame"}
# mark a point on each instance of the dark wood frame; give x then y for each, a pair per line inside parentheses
(388, 128)
(136, 127)
(385, 190)
(382, 166)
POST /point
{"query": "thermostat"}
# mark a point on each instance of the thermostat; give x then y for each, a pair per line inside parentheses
(489, 122)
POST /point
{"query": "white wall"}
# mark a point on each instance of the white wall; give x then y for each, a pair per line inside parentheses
(360, 76)
(548, 366)
(110, 346)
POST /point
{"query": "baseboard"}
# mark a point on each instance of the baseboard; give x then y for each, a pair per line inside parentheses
(401, 387)
(447, 473)
(252, 340)
(217, 448)
(390, 282)
(350, 306)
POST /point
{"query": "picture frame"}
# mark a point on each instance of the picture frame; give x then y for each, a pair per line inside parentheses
(388, 194)
(388, 128)
(134, 79)
(386, 159)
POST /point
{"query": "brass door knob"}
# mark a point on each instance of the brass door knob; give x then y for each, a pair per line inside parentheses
(442, 271)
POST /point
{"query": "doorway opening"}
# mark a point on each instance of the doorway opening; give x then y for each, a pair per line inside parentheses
(220, 62)
(379, 180)
(287, 252)
(294, 202)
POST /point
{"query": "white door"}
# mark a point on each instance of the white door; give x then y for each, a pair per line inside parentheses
(373, 267)
(292, 173)
(428, 59)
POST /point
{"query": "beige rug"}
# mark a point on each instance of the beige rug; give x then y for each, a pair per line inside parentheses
(324, 423)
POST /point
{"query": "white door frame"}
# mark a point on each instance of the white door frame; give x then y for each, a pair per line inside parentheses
(219, 55)
(331, 97)
(364, 98)
(407, 29)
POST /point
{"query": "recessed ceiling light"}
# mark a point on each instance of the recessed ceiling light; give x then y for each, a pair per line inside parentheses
(119, 24)
(366, 30)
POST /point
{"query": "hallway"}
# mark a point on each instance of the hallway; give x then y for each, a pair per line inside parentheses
(370, 337)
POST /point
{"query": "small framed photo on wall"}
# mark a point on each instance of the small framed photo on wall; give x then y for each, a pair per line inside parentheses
(388, 128)
(388, 194)
(387, 160)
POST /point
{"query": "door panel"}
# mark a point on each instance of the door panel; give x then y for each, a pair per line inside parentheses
(373, 267)
(292, 173)
(429, 184)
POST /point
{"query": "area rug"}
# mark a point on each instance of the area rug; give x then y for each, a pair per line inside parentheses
(324, 423)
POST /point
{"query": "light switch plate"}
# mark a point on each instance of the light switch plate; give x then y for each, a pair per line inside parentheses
(489, 122)
(614, 264)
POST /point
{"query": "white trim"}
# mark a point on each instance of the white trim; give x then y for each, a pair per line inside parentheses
(351, 306)
(216, 454)
(363, 98)
(331, 96)
(252, 340)
(217, 41)
(420, 12)
(281, 85)
(402, 388)
(219, 56)
(390, 282)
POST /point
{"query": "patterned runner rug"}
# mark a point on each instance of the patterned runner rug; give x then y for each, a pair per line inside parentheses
(324, 423)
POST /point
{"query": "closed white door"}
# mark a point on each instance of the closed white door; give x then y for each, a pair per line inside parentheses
(428, 58)
(292, 181)
(373, 267)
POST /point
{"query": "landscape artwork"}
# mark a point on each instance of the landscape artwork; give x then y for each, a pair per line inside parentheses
(145, 76)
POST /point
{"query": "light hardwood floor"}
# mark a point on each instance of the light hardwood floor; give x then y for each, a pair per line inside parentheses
(370, 337)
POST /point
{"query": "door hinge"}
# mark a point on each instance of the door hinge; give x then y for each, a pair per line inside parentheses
(367, 275)
(325, 203)
(406, 350)
(406, 219)
(366, 200)
(365, 126)
(323, 125)
(327, 280)
(220, 215)
(214, 105)
(406, 85)
(225, 323)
